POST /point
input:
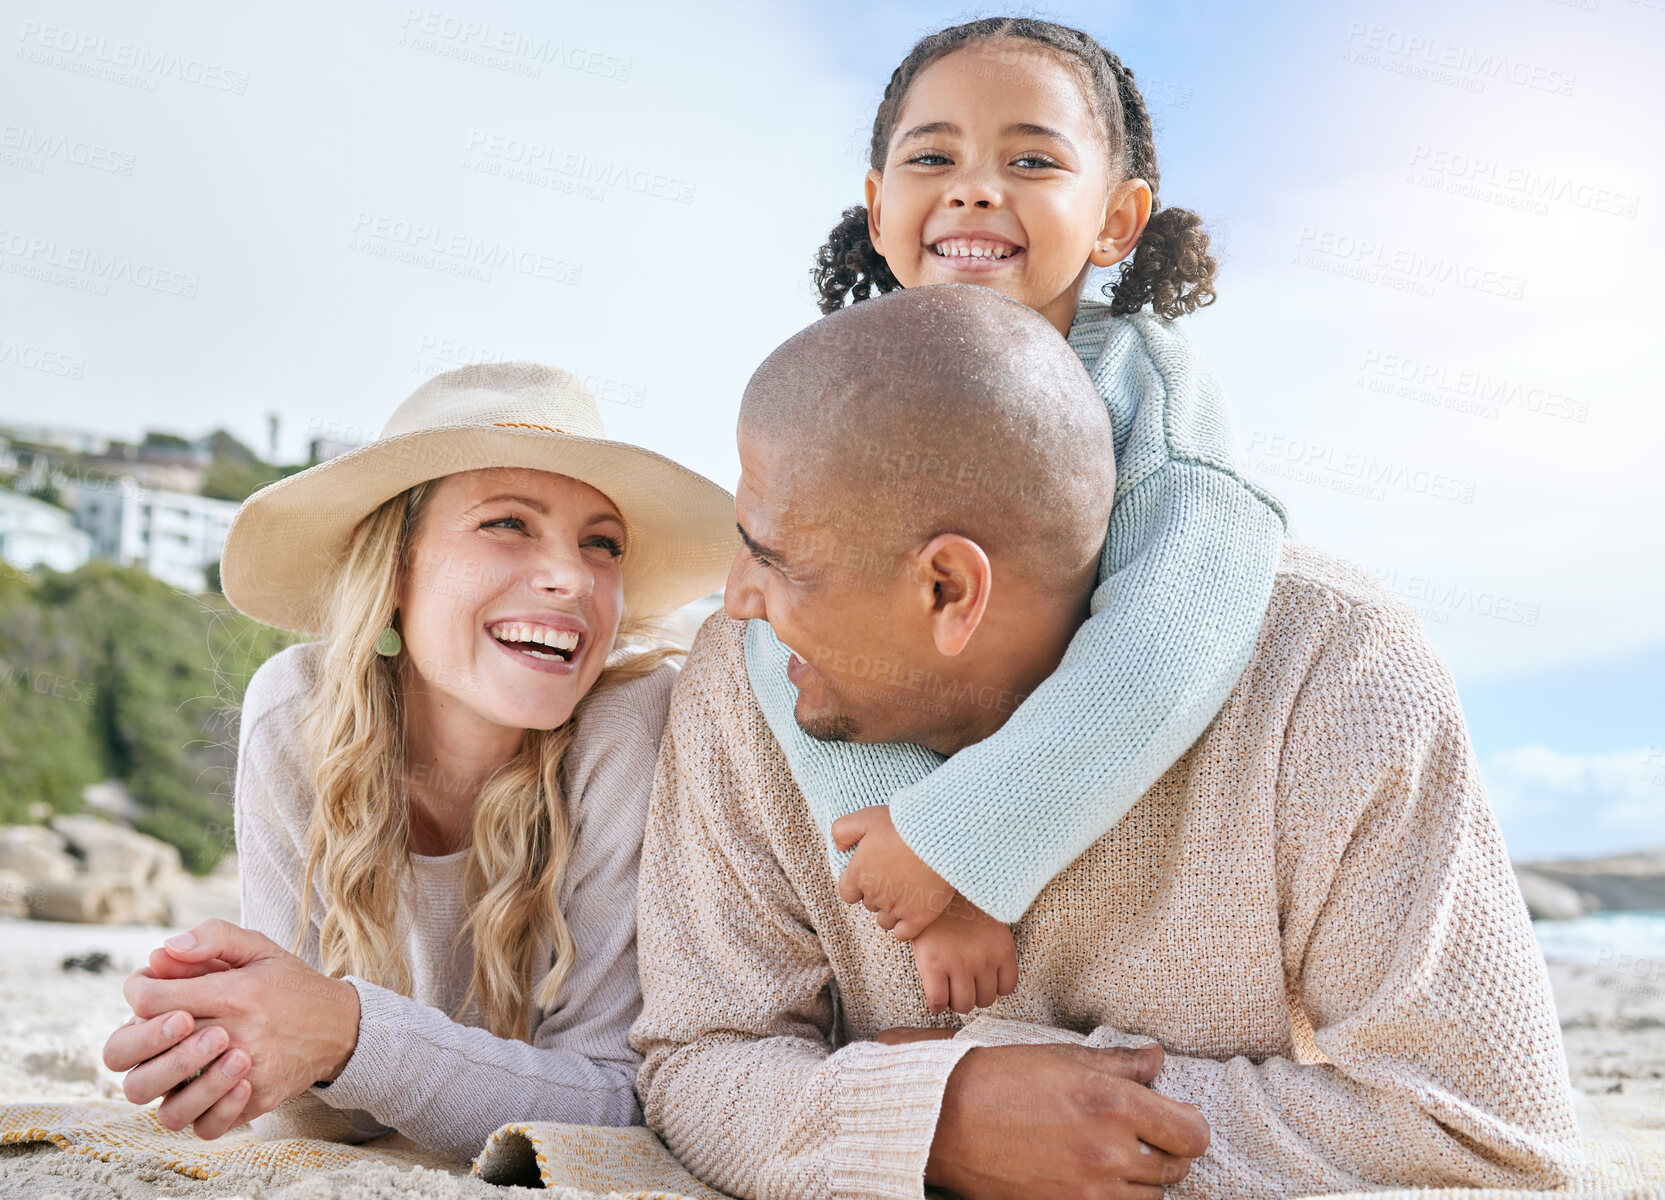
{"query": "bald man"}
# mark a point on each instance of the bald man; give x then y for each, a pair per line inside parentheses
(1299, 964)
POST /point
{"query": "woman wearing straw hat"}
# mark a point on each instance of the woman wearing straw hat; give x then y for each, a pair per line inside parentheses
(440, 804)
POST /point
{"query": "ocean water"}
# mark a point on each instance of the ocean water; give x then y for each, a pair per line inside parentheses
(1603, 937)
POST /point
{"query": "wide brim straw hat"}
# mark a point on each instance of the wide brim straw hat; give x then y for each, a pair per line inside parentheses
(288, 539)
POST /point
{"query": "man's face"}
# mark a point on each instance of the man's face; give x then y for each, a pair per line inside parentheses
(840, 607)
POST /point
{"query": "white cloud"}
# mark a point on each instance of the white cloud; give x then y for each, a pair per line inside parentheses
(1555, 805)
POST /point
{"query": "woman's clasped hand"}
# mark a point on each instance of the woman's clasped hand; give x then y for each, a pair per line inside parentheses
(228, 1025)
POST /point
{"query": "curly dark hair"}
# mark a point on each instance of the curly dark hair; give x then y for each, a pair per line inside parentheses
(1171, 271)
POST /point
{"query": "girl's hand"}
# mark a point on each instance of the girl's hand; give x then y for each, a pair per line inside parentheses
(965, 959)
(886, 877)
(286, 1026)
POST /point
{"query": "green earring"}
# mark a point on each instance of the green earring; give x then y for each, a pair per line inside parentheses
(389, 643)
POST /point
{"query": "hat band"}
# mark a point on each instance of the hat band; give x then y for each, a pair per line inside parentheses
(528, 425)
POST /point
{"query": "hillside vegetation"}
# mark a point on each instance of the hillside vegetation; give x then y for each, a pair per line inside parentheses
(107, 672)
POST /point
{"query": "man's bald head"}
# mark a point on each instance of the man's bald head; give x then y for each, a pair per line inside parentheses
(944, 409)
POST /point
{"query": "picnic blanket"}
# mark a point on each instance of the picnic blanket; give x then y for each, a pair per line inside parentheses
(114, 1149)
(108, 1141)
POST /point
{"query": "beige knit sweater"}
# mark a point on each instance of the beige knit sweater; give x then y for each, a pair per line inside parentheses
(415, 1069)
(1312, 911)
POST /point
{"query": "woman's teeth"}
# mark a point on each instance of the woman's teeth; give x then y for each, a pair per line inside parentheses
(972, 248)
(562, 642)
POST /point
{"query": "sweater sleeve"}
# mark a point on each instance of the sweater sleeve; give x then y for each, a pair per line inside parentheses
(740, 1078)
(1186, 574)
(449, 1085)
(272, 805)
(1426, 1044)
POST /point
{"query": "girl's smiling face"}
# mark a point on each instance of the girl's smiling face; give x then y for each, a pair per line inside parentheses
(511, 599)
(998, 173)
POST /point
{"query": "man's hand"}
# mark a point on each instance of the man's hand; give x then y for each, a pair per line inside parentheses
(887, 878)
(965, 959)
(267, 1028)
(1061, 1120)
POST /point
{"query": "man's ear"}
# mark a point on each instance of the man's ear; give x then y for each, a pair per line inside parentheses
(1126, 214)
(954, 580)
(874, 187)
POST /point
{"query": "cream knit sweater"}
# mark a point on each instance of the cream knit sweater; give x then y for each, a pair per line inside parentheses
(415, 1069)
(1312, 911)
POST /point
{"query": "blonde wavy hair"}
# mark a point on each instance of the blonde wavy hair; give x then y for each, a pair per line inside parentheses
(359, 835)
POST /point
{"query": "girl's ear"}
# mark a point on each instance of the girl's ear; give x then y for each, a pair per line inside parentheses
(1125, 218)
(874, 187)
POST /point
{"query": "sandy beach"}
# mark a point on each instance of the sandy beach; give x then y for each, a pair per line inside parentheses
(55, 1014)
(53, 1021)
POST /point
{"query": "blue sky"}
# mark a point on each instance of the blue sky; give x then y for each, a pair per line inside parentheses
(285, 170)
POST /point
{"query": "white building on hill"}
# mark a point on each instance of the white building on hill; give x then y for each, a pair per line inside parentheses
(34, 533)
(174, 536)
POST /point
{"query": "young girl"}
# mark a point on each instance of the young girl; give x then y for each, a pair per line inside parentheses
(1017, 154)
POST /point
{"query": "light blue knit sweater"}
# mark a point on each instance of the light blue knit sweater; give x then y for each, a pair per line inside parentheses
(1183, 587)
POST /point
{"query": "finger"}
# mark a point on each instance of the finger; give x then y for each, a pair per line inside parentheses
(215, 938)
(936, 990)
(849, 887)
(163, 965)
(226, 1112)
(984, 983)
(1138, 1063)
(1007, 976)
(848, 830)
(1166, 1124)
(160, 1075)
(203, 996)
(887, 921)
(187, 1103)
(1151, 1165)
(962, 993)
(140, 1039)
(906, 928)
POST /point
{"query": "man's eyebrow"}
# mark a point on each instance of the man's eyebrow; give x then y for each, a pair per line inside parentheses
(758, 549)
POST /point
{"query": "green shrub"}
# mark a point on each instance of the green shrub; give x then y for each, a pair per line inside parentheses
(107, 672)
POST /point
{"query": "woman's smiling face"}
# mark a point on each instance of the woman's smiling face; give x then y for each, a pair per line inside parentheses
(998, 174)
(512, 597)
